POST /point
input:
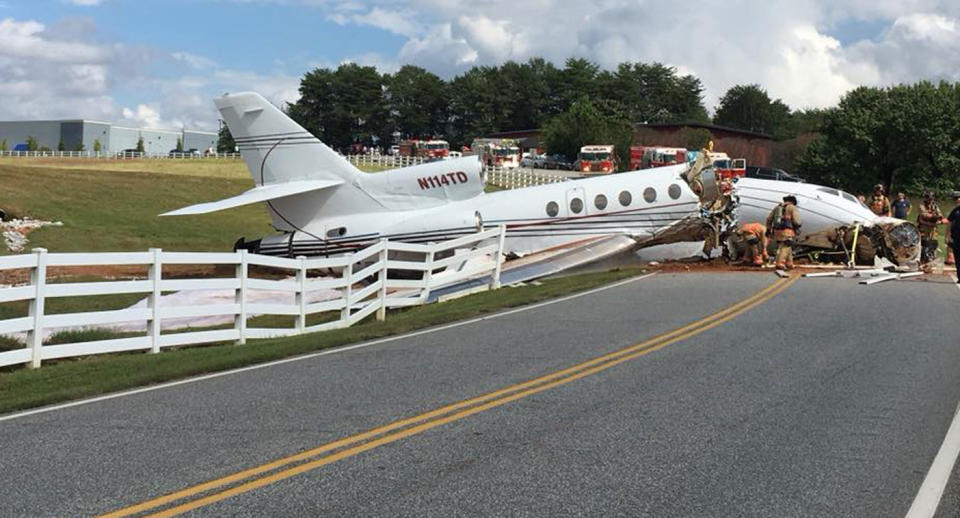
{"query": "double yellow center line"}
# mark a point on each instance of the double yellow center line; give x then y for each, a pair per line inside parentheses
(249, 479)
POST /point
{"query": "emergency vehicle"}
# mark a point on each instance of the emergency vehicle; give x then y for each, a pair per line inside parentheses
(424, 148)
(596, 160)
(498, 152)
(647, 157)
(726, 167)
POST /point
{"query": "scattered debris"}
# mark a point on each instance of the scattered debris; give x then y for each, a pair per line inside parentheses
(15, 231)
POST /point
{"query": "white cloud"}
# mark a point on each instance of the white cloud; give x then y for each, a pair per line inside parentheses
(783, 45)
(59, 72)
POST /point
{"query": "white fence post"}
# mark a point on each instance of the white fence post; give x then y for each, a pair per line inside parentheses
(301, 294)
(240, 297)
(495, 283)
(427, 276)
(347, 288)
(382, 311)
(155, 274)
(38, 279)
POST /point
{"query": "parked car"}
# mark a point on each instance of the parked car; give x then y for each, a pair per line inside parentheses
(129, 153)
(557, 161)
(533, 160)
(771, 173)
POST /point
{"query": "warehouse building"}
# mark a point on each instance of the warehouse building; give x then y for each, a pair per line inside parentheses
(83, 135)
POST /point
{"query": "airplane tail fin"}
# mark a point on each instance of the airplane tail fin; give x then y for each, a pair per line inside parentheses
(275, 148)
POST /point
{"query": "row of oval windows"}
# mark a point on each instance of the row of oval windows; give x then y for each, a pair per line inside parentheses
(625, 198)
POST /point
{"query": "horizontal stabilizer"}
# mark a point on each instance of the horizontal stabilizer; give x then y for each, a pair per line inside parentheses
(257, 194)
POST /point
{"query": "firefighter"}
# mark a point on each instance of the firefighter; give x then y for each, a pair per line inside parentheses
(954, 229)
(928, 219)
(753, 238)
(879, 204)
(784, 223)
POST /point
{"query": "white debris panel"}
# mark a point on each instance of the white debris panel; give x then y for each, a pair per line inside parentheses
(15, 231)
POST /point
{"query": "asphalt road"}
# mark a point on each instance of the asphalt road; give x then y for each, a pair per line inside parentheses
(830, 399)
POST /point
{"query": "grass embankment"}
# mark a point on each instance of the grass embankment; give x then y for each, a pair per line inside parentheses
(72, 379)
(103, 210)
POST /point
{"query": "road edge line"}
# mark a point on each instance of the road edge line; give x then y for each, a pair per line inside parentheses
(309, 356)
(928, 497)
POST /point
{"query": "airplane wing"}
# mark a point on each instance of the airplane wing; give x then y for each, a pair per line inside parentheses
(257, 194)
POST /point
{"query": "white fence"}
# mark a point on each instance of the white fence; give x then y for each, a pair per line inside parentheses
(391, 161)
(515, 178)
(122, 155)
(363, 287)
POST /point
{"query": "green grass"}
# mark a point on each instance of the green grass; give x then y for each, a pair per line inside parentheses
(114, 205)
(66, 380)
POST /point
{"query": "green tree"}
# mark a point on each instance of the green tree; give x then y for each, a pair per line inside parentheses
(344, 106)
(96, 145)
(748, 107)
(654, 93)
(32, 143)
(179, 144)
(586, 123)
(140, 148)
(3, 145)
(418, 102)
(225, 142)
(60, 146)
(476, 105)
(906, 137)
(80, 147)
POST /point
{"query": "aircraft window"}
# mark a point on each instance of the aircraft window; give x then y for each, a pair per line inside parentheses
(625, 198)
(576, 205)
(829, 190)
(849, 197)
(553, 209)
(674, 191)
(650, 194)
(600, 202)
(336, 232)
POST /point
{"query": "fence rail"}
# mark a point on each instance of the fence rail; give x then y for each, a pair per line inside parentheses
(515, 178)
(120, 155)
(363, 287)
(391, 161)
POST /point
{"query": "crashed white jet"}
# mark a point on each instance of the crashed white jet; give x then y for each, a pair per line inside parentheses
(323, 205)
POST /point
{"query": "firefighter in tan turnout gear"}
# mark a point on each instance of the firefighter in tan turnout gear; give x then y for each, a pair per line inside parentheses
(928, 219)
(879, 203)
(784, 223)
(753, 239)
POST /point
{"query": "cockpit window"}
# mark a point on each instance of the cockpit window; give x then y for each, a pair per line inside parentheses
(829, 190)
(849, 197)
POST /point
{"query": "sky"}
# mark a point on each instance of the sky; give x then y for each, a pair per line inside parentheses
(160, 63)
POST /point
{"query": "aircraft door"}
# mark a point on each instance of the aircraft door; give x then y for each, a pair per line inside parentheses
(576, 202)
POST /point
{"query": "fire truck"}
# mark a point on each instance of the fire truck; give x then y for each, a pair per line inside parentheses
(424, 148)
(498, 152)
(726, 167)
(647, 157)
(596, 160)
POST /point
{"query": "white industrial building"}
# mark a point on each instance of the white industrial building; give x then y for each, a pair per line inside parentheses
(79, 135)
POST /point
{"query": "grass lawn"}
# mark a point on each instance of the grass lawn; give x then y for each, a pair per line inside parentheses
(64, 380)
(113, 205)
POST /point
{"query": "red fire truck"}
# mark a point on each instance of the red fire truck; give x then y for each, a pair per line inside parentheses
(424, 148)
(498, 152)
(596, 160)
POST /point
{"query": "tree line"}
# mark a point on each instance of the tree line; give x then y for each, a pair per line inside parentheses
(358, 104)
(906, 137)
